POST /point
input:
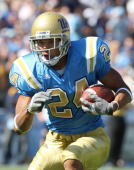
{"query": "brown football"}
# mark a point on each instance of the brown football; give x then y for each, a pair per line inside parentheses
(100, 90)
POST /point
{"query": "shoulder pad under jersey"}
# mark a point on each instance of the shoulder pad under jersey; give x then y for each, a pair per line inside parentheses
(22, 75)
(96, 51)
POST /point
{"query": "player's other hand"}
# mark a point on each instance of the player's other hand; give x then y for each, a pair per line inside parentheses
(38, 100)
(99, 107)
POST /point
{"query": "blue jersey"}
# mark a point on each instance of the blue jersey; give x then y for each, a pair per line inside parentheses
(87, 62)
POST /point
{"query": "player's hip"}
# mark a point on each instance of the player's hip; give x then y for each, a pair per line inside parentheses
(63, 140)
(90, 148)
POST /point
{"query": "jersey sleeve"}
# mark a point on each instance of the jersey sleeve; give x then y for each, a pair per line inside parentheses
(103, 59)
(17, 80)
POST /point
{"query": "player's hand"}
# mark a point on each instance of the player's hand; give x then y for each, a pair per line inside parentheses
(99, 107)
(38, 101)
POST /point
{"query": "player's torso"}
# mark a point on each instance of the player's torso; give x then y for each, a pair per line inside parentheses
(64, 111)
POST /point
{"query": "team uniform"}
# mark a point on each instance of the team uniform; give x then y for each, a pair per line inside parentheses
(73, 133)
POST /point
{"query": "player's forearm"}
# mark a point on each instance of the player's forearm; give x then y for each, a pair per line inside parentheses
(123, 98)
(23, 121)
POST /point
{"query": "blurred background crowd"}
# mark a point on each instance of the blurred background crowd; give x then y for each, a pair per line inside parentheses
(112, 20)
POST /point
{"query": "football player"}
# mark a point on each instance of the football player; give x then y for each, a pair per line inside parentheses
(53, 76)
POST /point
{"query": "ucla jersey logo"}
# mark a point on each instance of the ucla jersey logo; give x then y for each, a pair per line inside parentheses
(14, 78)
(105, 50)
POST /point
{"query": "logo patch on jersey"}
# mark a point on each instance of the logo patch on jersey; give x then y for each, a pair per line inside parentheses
(14, 78)
(105, 50)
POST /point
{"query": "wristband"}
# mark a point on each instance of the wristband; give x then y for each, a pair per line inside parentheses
(18, 130)
(127, 90)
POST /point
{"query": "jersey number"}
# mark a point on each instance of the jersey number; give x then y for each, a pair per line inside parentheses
(105, 50)
(63, 99)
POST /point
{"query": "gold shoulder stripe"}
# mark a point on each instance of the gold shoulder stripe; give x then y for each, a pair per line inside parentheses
(91, 52)
(29, 77)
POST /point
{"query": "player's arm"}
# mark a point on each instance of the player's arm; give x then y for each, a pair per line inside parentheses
(114, 81)
(23, 119)
(26, 107)
(123, 96)
(111, 79)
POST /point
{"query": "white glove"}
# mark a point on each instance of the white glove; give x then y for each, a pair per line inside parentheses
(38, 101)
(99, 107)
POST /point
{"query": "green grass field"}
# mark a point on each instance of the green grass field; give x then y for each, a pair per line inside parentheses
(13, 167)
(25, 168)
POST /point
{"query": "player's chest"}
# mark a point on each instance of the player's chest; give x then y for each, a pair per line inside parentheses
(69, 86)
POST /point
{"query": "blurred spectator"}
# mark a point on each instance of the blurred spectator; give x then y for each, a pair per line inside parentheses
(75, 21)
(130, 13)
(117, 25)
(15, 146)
(122, 58)
(3, 75)
(116, 132)
(35, 136)
(3, 84)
